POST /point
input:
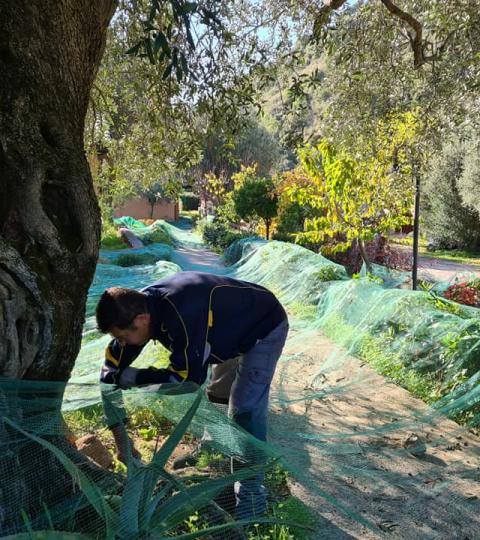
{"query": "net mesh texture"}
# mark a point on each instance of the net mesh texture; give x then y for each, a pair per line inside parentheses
(373, 414)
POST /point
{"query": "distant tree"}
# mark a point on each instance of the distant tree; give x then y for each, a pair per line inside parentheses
(449, 223)
(360, 191)
(211, 190)
(166, 190)
(255, 198)
(292, 214)
(469, 181)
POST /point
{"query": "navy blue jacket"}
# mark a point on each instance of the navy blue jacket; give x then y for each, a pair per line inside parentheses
(202, 319)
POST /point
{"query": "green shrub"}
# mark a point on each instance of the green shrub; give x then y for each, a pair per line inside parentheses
(155, 234)
(328, 273)
(110, 237)
(113, 243)
(291, 218)
(158, 237)
(192, 215)
(219, 236)
(284, 237)
(133, 259)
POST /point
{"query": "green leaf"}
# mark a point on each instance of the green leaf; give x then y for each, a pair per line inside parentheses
(161, 43)
(89, 489)
(167, 71)
(161, 457)
(149, 50)
(154, 469)
(134, 50)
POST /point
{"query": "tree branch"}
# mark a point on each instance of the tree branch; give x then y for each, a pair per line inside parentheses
(416, 41)
(323, 15)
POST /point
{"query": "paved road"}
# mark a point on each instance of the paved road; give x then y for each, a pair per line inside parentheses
(432, 269)
(441, 270)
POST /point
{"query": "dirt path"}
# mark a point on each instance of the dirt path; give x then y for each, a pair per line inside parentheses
(365, 451)
(200, 260)
(375, 450)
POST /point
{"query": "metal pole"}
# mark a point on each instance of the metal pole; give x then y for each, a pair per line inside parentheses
(416, 227)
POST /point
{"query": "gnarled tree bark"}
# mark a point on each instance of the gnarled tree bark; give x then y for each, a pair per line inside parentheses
(49, 218)
(50, 51)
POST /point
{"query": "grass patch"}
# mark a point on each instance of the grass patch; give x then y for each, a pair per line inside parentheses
(303, 311)
(408, 241)
(292, 510)
(389, 364)
(85, 420)
(374, 351)
(110, 237)
(455, 255)
(112, 242)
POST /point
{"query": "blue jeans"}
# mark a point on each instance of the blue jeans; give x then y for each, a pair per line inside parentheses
(248, 406)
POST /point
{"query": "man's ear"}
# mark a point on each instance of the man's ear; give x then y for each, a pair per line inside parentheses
(143, 318)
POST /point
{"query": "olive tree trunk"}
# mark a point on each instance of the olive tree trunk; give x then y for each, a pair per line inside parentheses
(50, 51)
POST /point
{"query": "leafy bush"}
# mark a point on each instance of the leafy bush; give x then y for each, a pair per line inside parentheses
(192, 215)
(155, 234)
(158, 237)
(291, 217)
(219, 235)
(328, 273)
(133, 259)
(111, 238)
(466, 293)
(256, 198)
(189, 201)
(284, 237)
(113, 242)
(469, 181)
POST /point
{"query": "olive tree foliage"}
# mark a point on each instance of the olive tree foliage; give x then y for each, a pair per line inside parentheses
(138, 128)
(382, 61)
(469, 181)
(223, 153)
(174, 76)
(382, 56)
(451, 221)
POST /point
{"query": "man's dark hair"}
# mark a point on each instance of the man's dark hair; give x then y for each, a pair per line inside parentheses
(118, 307)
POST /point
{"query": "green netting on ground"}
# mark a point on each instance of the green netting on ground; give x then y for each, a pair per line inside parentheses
(129, 222)
(369, 420)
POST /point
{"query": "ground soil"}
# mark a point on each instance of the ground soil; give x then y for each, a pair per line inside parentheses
(374, 449)
(363, 449)
(370, 460)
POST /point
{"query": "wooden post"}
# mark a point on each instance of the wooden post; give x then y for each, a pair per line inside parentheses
(416, 227)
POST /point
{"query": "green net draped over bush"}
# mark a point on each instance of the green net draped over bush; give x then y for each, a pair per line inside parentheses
(369, 416)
